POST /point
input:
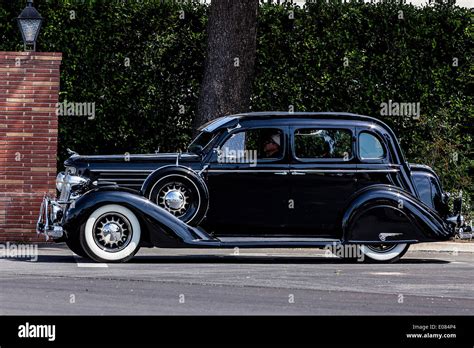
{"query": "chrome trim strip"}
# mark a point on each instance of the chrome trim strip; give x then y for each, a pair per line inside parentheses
(122, 170)
(305, 170)
(276, 239)
(138, 171)
(124, 174)
(394, 241)
(349, 170)
(122, 179)
(247, 170)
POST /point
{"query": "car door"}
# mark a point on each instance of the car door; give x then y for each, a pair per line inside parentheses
(249, 189)
(323, 177)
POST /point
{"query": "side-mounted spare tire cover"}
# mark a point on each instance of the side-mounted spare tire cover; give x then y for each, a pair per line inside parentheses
(180, 191)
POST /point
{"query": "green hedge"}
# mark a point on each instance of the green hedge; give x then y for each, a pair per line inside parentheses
(324, 57)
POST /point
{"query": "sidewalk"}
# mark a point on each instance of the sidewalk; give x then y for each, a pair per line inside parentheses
(448, 247)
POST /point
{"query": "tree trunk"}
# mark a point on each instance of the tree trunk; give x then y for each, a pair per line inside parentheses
(229, 67)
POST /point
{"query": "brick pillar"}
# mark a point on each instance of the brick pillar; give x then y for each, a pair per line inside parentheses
(29, 89)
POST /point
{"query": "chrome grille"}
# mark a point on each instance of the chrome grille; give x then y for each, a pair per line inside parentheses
(65, 193)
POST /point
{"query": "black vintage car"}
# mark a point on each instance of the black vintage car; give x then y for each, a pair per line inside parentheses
(267, 179)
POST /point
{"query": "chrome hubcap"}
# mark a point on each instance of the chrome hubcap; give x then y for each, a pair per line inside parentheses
(174, 198)
(112, 232)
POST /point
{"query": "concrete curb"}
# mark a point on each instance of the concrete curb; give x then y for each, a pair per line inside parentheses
(448, 247)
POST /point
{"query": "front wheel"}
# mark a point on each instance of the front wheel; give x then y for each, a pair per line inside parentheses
(75, 245)
(111, 234)
(384, 252)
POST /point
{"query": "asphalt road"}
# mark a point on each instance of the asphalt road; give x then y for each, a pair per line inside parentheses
(255, 282)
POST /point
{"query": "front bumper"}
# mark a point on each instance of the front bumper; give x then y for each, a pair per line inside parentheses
(53, 210)
(49, 219)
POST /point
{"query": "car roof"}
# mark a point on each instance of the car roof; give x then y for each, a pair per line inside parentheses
(233, 120)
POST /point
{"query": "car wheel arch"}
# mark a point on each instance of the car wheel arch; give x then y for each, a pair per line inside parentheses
(420, 224)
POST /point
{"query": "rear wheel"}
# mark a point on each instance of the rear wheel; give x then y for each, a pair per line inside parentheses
(384, 252)
(111, 234)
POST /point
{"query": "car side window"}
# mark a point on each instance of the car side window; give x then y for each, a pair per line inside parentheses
(370, 147)
(257, 144)
(323, 143)
(436, 194)
(423, 186)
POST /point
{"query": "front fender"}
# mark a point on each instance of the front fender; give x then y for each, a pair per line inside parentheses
(387, 213)
(158, 226)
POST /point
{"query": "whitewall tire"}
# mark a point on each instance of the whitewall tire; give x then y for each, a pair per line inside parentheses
(111, 234)
(388, 253)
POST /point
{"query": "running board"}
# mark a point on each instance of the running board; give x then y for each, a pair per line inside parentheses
(265, 242)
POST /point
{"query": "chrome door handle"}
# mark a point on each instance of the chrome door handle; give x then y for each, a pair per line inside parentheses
(281, 173)
(297, 173)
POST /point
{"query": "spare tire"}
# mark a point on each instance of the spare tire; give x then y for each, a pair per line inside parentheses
(180, 191)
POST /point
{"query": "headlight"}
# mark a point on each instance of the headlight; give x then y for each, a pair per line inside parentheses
(60, 181)
(67, 182)
(74, 181)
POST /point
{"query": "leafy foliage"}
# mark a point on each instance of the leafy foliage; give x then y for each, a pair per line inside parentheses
(353, 57)
(327, 56)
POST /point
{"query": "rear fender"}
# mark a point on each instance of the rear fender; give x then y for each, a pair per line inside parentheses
(388, 214)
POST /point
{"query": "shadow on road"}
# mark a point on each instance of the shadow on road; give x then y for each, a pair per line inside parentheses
(231, 259)
(262, 260)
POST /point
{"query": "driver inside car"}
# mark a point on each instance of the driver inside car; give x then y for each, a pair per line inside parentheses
(271, 146)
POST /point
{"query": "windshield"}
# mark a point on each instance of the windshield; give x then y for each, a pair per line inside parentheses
(201, 142)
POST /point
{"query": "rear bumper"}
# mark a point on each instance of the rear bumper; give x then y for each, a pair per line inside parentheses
(460, 227)
(49, 219)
